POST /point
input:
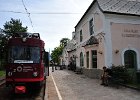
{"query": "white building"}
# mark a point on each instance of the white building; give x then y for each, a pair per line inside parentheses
(108, 33)
(69, 51)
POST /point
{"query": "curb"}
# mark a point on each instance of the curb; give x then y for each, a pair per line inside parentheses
(131, 87)
(46, 91)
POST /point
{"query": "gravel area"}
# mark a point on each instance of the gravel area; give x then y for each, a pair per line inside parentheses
(79, 87)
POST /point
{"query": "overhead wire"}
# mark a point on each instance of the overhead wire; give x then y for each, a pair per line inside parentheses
(12, 11)
(28, 14)
(38, 13)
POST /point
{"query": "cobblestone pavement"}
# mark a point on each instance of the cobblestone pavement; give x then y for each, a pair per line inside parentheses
(79, 87)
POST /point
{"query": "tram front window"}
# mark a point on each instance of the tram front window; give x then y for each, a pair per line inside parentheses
(23, 54)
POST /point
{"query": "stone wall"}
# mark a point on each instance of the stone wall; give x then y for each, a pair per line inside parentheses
(93, 73)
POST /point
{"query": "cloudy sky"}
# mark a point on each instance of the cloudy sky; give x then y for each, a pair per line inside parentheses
(53, 19)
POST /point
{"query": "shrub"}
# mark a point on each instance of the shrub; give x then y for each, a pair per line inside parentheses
(2, 73)
(120, 72)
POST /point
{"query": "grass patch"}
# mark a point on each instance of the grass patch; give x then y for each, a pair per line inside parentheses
(2, 73)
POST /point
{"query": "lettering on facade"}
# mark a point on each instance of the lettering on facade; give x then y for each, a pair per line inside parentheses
(131, 33)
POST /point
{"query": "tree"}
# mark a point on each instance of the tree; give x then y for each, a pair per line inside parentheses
(14, 26)
(64, 41)
(56, 53)
(3, 42)
(10, 29)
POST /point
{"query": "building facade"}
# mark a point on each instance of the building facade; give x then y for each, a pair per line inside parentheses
(69, 52)
(108, 34)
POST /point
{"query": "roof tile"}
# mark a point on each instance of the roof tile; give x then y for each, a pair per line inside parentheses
(120, 6)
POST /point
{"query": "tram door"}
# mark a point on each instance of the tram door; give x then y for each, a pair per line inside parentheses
(46, 62)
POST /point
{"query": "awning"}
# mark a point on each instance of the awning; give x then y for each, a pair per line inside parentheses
(91, 41)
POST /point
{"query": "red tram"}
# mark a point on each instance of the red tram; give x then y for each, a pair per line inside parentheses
(26, 61)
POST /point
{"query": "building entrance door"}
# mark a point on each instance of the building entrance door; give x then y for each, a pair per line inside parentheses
(130, 59)
(94, 58)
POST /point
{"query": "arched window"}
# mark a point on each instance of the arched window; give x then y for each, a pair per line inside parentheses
(130, 59)
(81, 59)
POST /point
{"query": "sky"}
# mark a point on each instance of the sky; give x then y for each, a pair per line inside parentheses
(53, 19)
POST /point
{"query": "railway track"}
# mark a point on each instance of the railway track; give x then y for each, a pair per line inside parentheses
(33, 93)
(2, 81)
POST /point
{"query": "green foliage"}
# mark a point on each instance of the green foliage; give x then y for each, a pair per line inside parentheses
(2, 73)
(120, 72)
(13, 27)
(3, 42)
(56, 53)
(10, 29)
(64, 41)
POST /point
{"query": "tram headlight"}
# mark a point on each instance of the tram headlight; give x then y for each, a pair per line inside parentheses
(24, 39)
(35, 74)
(9, 73)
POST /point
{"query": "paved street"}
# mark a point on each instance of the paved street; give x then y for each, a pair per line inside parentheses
(66, 85)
